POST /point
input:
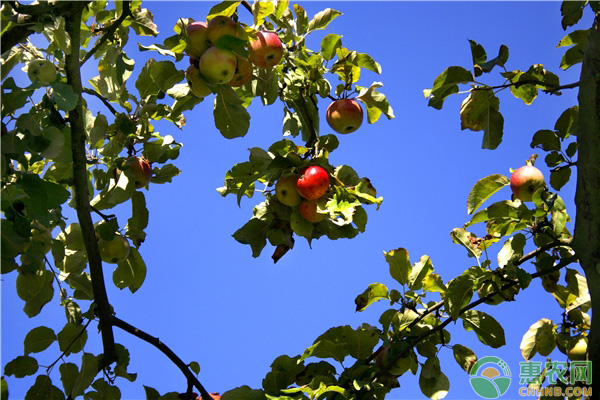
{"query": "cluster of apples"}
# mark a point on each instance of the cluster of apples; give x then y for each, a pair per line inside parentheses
(305, 190)
(344, 115)
(211, 64)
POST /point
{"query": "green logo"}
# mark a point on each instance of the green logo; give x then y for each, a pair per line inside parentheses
(490, 377)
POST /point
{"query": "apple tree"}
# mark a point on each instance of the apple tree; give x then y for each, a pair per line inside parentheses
(56, 153)
(59, 153)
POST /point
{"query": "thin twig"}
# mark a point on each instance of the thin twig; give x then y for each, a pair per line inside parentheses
(110, 31)
(102, 98)
(165, 350)
(69, 346)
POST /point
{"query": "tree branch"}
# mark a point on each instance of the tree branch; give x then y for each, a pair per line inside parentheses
(110, 31)
(166, 351)
(80, 186)
(102, 98)
(551, 87)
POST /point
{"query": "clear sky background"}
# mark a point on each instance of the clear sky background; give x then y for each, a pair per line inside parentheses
(211, 302)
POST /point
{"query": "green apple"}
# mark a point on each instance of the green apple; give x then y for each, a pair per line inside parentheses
(266, 51)
(399, 367)
(488, 288)
(577, 350)
(43, 70)
(219, 26)
(197, 39)
(344, 115)
(196, 82)
(285, 190)
(309, 209)
(243, 72)
(115, 250)
(218, 65)
(525, 181)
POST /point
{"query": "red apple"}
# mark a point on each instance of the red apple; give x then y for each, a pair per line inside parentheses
(266, 51)
(344, 115)
(243, 72)
(219, 26)
(286, 192)
(196, 83)
(197, 39)
(218, 65)
(313, 182)
(525, 181)
(141, 169)
(309, 209)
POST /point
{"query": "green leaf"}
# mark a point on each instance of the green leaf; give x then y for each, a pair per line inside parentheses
(260, 11)
(419, 271)
(283, 373)
(119, 190)
(571, 11)
(131, 272)
(376, 103)
(65, 97)
(43, 389)
(498, 60)
(165, 75)
(36, 289)
(374, 293)
(244, 393)
(462, 237)
(151, 393)
(329, 45)
(104, 391)
(145, 85)
(301, 226)
(399, 263)
(21, 367)
(195, 367)
(546, 139)
(364, 60)
(89, 370)
(487, 329)
(226, 8)
(560, 177)
(459, 294)
(538, 333)
(322, 19)
(253, 233)
(478, 55)
(68, 375)
(3, 384)
(72, 338)
(479, 111)
(435, 387)
(464, 356)
(39, 339)
(231, 118)
(446, 84)
(301, 20)
(139, 219)
(566, 124)
(164, 174)
(484, 189)
(576, 37)
(433, 283)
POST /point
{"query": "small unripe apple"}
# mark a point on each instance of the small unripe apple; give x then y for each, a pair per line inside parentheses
(344, 115)
(141, 169)
(578, 348)
(266, 51)
(243, 72)
(196, 82)
(525, 181)
(114, 251)
(197, 39)
(313, 182)
(219, 26)
(399, 368)
(43, 70)
(218, 65)
(286, 192)
(309, 209)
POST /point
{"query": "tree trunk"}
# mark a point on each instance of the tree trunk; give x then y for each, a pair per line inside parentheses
(586, 239)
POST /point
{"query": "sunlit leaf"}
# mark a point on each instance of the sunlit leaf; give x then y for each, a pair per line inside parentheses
(487, 329)
(484, 189)
(374, 293)
(399, 263)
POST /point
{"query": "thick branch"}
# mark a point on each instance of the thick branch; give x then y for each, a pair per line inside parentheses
(110, 31)
(28, 16)
(80, 186)
(586, 239)
(166, 351)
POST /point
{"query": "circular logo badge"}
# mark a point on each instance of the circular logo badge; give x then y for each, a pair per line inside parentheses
(490, 377)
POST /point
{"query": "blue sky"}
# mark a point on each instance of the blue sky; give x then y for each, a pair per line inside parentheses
(211, 302)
